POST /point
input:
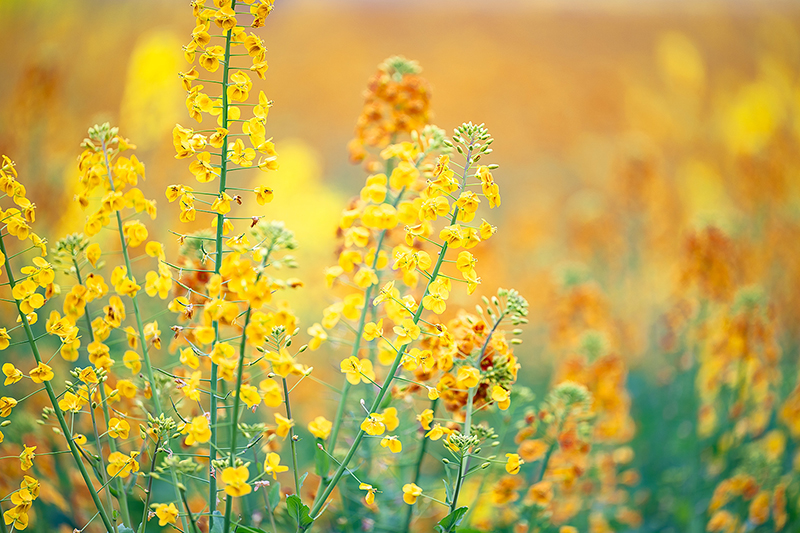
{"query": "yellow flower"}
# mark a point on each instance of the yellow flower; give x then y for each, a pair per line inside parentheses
(369, 497)
(373, 330)
(411, 492)
(197, 431)
(4, 340)
(88, 376)
(513, 463)
(320, 427)
(406, 332)
(211, 57)
(271, 392)
(385, 293)
(249, 395)
(436, 432)
(118, 428)
(272, 465)
(501, 396)
(235, 480)
(70, 402)
(167, 514)
(468, 376)
(373, 425)
(222, 204)
(390, 418)
(284, 425)
(393, 443)
(122, 465)
(239, 86)
(26, 458)
(240, 155)
(318, 336)
(41, 373)
(13, 374)
(132, 361)
(263, 195)
(6, 405)
(357, 370)
(425, 418)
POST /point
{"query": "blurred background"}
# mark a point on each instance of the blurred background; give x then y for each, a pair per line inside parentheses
(624, 131)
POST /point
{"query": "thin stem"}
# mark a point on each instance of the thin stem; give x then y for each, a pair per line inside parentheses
(291, 438)
(462, 466)
(149, 491)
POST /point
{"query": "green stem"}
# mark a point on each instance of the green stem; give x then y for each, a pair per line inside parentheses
(103, 475)
(122, 496)
(149, 491)
(195, 529)
(291, 438)
(223, 173)
(462, 466)
(52, 396)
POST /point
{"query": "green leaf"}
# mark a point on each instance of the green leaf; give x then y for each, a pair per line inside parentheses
(448, 492)
(302, 480)
(124, 529)
(274, 496)
(299, 511)
(219, 522)
(449, 523)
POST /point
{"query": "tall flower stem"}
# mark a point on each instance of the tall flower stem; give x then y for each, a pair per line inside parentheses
(223, 172)
(139, 322)
(54, 402)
